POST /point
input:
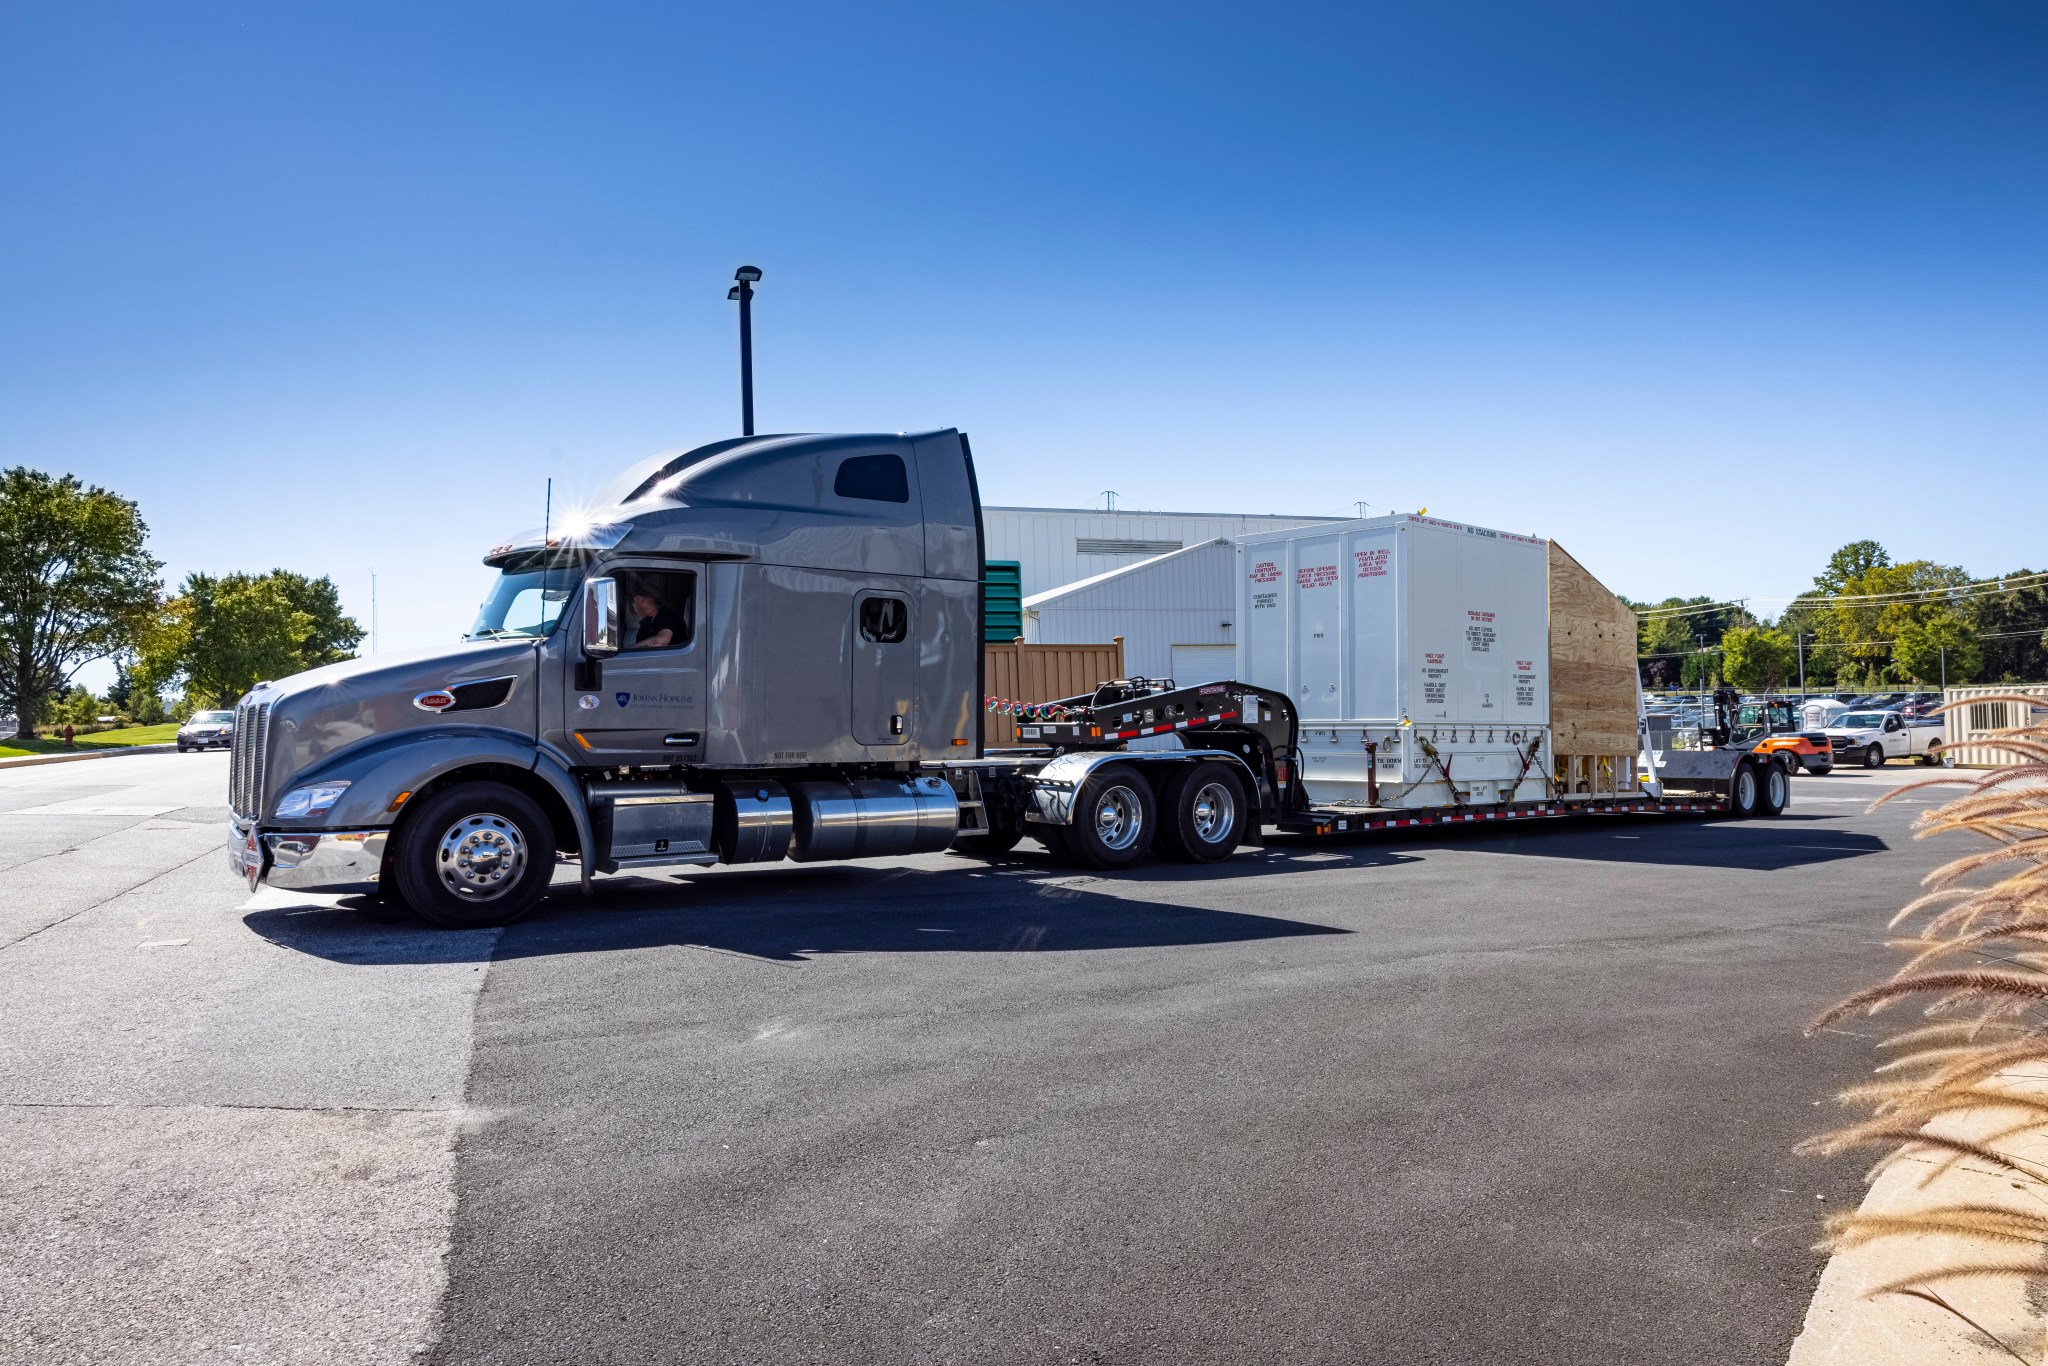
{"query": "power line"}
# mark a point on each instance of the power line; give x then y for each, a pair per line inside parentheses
(1975, 589)
(1841, 644)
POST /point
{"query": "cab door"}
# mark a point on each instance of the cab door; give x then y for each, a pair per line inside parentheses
(648, 705)
(884, 668)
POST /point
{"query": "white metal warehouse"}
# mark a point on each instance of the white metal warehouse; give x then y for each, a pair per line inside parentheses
(1058, 546)
(1173, 611)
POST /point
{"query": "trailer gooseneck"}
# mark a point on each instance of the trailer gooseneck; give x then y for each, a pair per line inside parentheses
(770, 648)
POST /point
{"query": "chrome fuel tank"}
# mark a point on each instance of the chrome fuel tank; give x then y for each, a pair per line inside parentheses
(871, 818)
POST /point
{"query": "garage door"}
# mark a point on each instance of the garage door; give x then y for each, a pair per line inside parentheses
(1202, 663)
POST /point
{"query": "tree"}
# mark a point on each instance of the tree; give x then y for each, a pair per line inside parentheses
(1943, 649)
(75, 584)
(1755, 658)
(221, 635)
(2012, 627)
(1861, 602)
(1668, 636)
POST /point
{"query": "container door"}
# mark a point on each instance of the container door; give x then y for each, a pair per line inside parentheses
(1318, 629)
(649, 705)
(884, 668)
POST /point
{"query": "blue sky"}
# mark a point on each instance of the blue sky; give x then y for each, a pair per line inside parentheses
(1701, 290)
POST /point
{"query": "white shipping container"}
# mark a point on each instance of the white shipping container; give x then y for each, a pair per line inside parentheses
(1399, 636)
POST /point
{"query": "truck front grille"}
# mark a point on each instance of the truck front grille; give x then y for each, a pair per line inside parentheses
(245, 759)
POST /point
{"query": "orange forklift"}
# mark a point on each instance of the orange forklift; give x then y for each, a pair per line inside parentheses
(1772, 723)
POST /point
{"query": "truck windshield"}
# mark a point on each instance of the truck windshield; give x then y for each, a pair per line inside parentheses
(525, 602)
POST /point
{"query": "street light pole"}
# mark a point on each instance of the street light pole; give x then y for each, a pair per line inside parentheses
(747, 277)
(1799, 638)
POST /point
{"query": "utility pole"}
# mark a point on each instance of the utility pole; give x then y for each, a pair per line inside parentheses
(1362, 505)
(1799, 640)
(747, 277)
(1109, 500)
(1944, 673)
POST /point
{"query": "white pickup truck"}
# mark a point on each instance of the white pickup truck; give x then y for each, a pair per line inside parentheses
(1871, 737)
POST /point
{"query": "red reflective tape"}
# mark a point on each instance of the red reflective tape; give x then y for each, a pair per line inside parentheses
(1126, 735)
(1225, 715)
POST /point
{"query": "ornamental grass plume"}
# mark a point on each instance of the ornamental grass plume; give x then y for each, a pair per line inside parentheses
(1971, 1085)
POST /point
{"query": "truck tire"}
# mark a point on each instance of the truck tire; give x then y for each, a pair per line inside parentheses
(475, 855)
(1745, 789)
(1873, 757)
(1932, 757)
(1202, 813)
(1114, 814)
(1774, 791)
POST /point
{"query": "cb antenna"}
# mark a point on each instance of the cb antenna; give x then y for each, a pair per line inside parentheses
(547, 518)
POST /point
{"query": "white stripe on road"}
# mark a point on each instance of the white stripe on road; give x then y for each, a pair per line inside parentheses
(82, 810)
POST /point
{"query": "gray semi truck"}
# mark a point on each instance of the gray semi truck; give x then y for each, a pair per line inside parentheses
(759, 649)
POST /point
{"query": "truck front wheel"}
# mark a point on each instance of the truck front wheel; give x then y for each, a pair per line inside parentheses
(1874, 757)
(1114, 814)
(476, 855)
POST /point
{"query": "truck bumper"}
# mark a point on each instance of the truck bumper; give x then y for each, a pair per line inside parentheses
(305, 860)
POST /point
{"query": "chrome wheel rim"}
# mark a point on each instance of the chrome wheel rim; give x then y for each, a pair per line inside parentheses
(1215, 811)
(1119, 819)
(481, 857)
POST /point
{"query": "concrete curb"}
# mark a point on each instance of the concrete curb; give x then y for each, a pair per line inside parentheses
(1845, 1326)
(31, 760)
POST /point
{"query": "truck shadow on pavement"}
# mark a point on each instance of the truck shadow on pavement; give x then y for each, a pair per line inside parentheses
(791, 915)
(1766, 846)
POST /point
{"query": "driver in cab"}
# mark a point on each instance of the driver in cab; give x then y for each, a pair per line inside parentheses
(657, 626)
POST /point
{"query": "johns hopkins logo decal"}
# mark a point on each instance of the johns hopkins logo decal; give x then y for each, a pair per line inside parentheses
(622, 698)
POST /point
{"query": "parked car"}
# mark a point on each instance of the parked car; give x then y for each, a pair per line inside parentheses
(1871, 737)
(207, 730)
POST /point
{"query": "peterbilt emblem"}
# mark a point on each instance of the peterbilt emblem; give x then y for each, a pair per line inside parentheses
(589, 701)
(440, 699)
(622, 698)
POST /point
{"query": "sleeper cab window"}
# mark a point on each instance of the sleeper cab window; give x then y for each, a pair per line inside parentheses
(657, 608)
(877, 478)
(883, 621)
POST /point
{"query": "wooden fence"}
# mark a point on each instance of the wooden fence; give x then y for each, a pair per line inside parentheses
(1017, 672)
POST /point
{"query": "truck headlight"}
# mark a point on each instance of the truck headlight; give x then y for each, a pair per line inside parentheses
(314, 800)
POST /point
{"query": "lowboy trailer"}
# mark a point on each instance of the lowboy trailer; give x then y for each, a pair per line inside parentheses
(770, 648)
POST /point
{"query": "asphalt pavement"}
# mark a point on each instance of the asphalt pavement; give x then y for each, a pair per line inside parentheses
(1520, 1094)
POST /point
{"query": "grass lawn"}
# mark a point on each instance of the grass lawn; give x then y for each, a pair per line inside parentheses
(11, 748)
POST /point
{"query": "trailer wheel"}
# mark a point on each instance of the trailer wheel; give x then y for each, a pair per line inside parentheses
(1202, 813)
(1114, 813)
(1874, 757)
(1743, 790)
(476, 855)
(1774, 792)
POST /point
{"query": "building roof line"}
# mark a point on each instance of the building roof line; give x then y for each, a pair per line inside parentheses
(1152, 512)
(1093, 580)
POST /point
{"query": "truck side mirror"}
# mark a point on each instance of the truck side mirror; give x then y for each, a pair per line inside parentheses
(601, 618)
